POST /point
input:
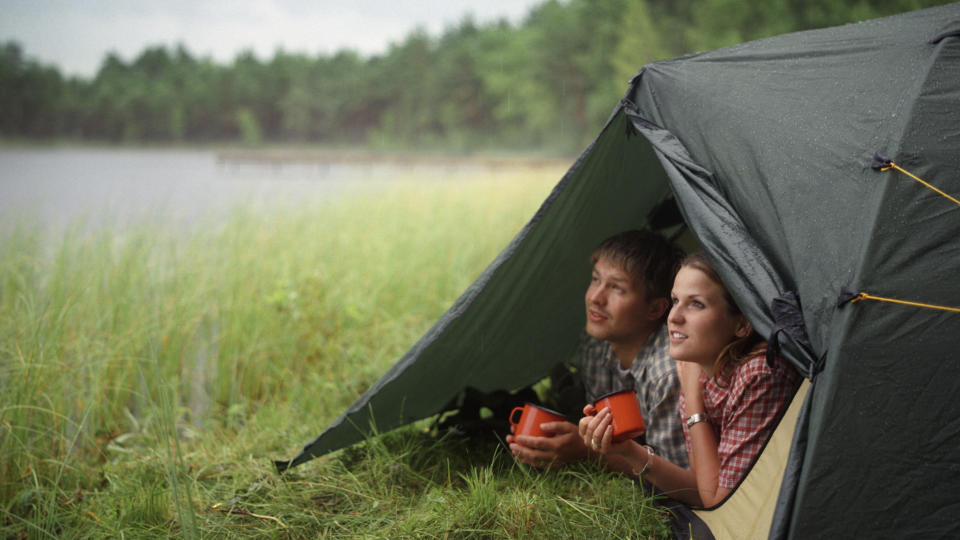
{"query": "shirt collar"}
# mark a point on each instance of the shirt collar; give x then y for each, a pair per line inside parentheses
(657, 343)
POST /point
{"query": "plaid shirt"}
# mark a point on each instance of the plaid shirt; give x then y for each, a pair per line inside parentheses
(743, 409)
(653, 376)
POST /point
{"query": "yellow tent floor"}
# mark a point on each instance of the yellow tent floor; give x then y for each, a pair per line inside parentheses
(748, 512)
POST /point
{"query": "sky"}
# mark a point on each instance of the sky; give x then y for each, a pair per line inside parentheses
(75, 35)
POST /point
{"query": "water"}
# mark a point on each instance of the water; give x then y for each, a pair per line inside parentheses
(57, 187)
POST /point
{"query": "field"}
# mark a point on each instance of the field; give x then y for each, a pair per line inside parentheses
(150, 376)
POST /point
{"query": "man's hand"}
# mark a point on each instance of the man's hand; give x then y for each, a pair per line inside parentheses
(565, 446)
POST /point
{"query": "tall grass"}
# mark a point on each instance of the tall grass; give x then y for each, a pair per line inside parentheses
(148, 375)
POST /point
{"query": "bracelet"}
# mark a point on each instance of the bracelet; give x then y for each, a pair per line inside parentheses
(650, 454)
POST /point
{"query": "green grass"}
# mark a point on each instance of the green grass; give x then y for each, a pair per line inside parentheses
(149, 376)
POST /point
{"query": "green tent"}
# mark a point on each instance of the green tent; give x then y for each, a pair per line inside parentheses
(818, 169)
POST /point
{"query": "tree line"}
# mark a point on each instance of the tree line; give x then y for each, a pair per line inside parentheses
(548, 82)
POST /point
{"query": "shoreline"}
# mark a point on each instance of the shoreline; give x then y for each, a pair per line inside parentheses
(322, 155)
(353, 156)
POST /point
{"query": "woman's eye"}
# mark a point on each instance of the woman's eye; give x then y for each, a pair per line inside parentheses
(697, 304)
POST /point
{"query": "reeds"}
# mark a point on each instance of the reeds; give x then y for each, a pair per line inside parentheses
(148, 375)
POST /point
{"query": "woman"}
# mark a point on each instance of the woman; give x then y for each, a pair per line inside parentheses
(730, 399)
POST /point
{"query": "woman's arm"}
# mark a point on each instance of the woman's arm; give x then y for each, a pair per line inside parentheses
(705, 464)
(675, 481)
(704, 458)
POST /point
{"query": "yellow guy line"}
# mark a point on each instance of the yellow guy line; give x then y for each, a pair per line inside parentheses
(866, 296)
(906, 172)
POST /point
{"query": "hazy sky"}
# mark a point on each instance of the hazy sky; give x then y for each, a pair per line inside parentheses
(76, 34)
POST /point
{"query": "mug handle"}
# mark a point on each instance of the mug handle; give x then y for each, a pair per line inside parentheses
(513, 413)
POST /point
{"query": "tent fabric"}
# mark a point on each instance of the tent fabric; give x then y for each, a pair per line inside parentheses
(766, 148)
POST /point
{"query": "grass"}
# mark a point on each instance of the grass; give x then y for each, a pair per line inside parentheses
(149, 376)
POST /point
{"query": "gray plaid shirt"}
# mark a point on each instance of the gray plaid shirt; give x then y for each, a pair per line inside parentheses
(653, 376)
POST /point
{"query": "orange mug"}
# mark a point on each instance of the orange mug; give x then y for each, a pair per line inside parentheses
(624, 412)
(531, 416)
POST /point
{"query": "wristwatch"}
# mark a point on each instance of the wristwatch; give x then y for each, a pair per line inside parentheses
(695, 418)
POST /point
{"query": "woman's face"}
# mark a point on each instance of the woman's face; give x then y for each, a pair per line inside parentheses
(700, 321)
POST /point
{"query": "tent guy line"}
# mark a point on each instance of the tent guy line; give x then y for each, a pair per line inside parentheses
(886, 165)
(854, 297)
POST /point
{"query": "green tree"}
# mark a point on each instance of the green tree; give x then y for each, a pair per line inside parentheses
(32, 95)
(547, 82)
(403, 89)
(503, 64)
(641, 41)
(248, 126)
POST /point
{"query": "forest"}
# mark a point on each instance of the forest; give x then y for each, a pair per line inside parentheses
(547, 83)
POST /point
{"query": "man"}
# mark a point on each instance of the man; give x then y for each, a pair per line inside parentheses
(626, 346)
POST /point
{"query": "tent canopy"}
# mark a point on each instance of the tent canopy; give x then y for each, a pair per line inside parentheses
(768, 148)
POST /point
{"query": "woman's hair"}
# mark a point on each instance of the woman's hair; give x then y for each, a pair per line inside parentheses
(738, 350)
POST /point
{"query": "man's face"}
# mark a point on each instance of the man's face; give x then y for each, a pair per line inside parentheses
(617, 308)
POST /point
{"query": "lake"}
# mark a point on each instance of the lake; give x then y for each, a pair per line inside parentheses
(56, 187)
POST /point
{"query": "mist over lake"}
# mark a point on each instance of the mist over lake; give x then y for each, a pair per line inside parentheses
(56, 187)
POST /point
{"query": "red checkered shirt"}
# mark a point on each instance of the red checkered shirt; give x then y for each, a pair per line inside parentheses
(743, 409)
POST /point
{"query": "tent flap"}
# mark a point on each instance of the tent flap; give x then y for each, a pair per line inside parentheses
(524, 313)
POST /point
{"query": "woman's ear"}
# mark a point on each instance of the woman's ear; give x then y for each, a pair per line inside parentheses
(744, 328)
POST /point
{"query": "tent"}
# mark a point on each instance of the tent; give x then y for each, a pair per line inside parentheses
(819, 170)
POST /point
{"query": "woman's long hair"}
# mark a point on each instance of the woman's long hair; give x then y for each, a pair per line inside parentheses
(738, 350)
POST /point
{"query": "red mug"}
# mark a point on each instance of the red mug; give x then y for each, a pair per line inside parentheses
(625, 414)
(531, 416)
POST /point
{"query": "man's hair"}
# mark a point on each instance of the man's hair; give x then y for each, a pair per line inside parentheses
(645, 255)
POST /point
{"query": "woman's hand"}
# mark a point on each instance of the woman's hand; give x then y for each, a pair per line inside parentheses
(630, 458)
(596, 429)
(689, 375)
